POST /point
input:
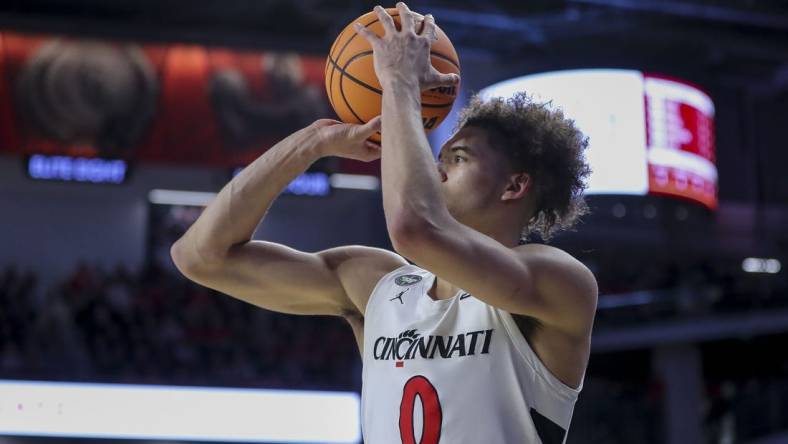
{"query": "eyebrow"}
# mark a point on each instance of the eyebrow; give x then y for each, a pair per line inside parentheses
(461, 148)
(456, 148)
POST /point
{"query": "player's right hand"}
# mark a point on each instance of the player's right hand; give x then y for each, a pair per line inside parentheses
(347, 140)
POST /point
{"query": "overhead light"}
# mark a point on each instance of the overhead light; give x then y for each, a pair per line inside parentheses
(773, 266)
(355, 182)
(761, 265)
(177, 197)
(313, 184)
(314, 181)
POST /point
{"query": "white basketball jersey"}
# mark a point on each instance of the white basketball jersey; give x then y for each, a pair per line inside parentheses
(453, 371)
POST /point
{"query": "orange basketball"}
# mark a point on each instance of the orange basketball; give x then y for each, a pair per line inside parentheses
(354, 90)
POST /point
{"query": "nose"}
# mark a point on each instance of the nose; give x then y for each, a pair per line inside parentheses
(441, 172)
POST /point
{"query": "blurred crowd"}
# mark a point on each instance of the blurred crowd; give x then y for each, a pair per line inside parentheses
(114, 326)
(651, 289)
(617, 411)
(156, 327)
(746, 409)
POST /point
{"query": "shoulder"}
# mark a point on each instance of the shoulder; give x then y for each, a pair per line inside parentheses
(547, 258)
(545, 251)
(563, 281)
(359, 268)
(340, 255)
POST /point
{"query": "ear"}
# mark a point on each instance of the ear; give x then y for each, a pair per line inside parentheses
(517, 186)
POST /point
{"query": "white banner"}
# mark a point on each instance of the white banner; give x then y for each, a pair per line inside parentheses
(177, 413)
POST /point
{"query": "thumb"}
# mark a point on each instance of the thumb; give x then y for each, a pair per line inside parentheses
(439, 79)
(370, 127)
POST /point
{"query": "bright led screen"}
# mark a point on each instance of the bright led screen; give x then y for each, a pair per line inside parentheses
(647, 134)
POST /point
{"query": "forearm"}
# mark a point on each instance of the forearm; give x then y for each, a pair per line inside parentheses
(232, 217)
(411, 192)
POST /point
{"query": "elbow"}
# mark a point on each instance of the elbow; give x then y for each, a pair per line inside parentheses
(189, 260)
(181, 259)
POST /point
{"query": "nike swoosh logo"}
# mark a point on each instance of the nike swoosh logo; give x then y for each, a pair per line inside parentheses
(465, 295)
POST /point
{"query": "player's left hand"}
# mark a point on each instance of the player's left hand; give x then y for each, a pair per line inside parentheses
(348, 140)
(404, 55)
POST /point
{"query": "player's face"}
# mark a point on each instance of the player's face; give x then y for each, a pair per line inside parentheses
(472, 175)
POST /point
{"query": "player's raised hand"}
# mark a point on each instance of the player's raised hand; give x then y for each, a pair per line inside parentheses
(347, 140)
(404, 55)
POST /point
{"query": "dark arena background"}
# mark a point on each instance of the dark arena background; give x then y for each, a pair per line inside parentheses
(120, 120)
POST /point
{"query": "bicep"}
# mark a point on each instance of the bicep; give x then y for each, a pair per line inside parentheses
(534, 280)
(567, 288)
(473, 262)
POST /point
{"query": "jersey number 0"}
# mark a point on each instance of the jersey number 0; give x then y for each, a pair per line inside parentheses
(431, 406)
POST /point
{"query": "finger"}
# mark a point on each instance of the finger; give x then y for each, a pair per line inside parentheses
(370, 36)
(385, 19)
(367, 129)
(429, 29)
(376, 156)
(440, 79)
(326, 122)
(405, 17)
(374, 124)
(372, 146)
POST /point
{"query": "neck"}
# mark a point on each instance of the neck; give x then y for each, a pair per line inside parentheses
(442, 289)
(507, 228)
(505, 231)
(508, 236)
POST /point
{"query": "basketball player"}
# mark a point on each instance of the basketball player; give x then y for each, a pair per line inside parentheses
(492, 337)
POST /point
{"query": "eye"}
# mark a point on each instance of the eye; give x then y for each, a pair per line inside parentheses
(459, 159)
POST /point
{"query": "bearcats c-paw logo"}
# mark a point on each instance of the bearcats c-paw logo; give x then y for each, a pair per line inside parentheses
(407, 279)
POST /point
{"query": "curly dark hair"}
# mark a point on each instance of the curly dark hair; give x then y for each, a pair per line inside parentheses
(539, 140)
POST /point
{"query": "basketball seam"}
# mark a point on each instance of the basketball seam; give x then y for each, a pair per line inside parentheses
(445, 57)
(333, 68)
(343, 70)
(343, 73)
(351, 77)
(342, 93)
(331, 83)
(330, 99)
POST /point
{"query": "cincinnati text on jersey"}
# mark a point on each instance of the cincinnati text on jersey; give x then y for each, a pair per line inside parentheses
(409, 344)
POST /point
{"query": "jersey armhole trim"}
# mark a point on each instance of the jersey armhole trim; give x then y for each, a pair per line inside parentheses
(536, 364)
(380, 282)
(385, 278)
